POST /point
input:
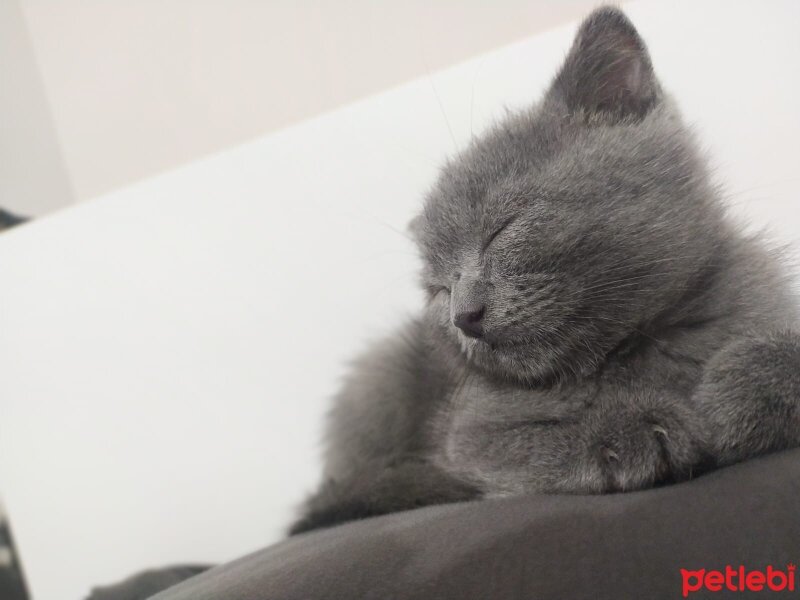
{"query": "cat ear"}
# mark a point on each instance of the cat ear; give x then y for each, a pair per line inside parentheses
(608, 69)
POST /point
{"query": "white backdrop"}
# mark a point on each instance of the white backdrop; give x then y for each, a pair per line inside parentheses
(167, 351)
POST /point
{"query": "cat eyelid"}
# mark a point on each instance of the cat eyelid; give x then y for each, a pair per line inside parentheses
(436, 289)
(497, 232)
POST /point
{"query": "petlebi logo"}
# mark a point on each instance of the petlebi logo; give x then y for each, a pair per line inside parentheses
(740, 579)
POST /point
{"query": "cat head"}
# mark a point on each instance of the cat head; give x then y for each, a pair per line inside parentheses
(569, 227)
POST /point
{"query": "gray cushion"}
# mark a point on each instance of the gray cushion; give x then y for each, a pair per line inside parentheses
(618, 546)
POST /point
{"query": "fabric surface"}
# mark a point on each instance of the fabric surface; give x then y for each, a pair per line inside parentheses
(147, 583)
(538, 547)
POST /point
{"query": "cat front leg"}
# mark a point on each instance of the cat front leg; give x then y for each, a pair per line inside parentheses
(404, 486)
(378, 436)
(642, 443)
(632, 440)
(750, 397)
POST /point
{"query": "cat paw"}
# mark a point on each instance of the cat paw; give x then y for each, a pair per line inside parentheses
(611, 456)
(634, 460)
(634, 450)
(608, 454)
(749, 397)
(658, 429)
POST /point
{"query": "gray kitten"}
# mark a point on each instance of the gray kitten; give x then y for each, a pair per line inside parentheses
(594, 322)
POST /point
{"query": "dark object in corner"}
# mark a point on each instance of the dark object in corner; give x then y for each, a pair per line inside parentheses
(12, 581)
(8, 220)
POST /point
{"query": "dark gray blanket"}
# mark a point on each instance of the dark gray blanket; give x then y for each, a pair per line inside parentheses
(539, 547)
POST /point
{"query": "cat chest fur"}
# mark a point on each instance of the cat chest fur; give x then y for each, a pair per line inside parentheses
(508, 439)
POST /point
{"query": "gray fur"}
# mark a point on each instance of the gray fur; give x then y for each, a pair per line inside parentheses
(628, 334)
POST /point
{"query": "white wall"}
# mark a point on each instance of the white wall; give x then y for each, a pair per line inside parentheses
(141, 86)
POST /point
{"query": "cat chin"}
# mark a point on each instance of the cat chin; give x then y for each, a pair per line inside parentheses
(509, 362)
(526, 363)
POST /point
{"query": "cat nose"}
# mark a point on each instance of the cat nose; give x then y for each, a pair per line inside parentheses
(469, 320)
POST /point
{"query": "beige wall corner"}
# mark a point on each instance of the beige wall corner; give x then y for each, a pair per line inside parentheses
(139, 87)
(33, 174)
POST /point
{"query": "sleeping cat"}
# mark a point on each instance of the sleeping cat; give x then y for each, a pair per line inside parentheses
(594, 323)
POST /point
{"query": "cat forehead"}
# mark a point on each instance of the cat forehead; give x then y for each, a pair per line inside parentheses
(543, 155)
(565, 176)
(501, 163)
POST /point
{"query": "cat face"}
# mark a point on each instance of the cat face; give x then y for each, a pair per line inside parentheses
(567, 229)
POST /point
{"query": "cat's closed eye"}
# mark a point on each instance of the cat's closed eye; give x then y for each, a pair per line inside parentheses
(496, 233)
(434, 290)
